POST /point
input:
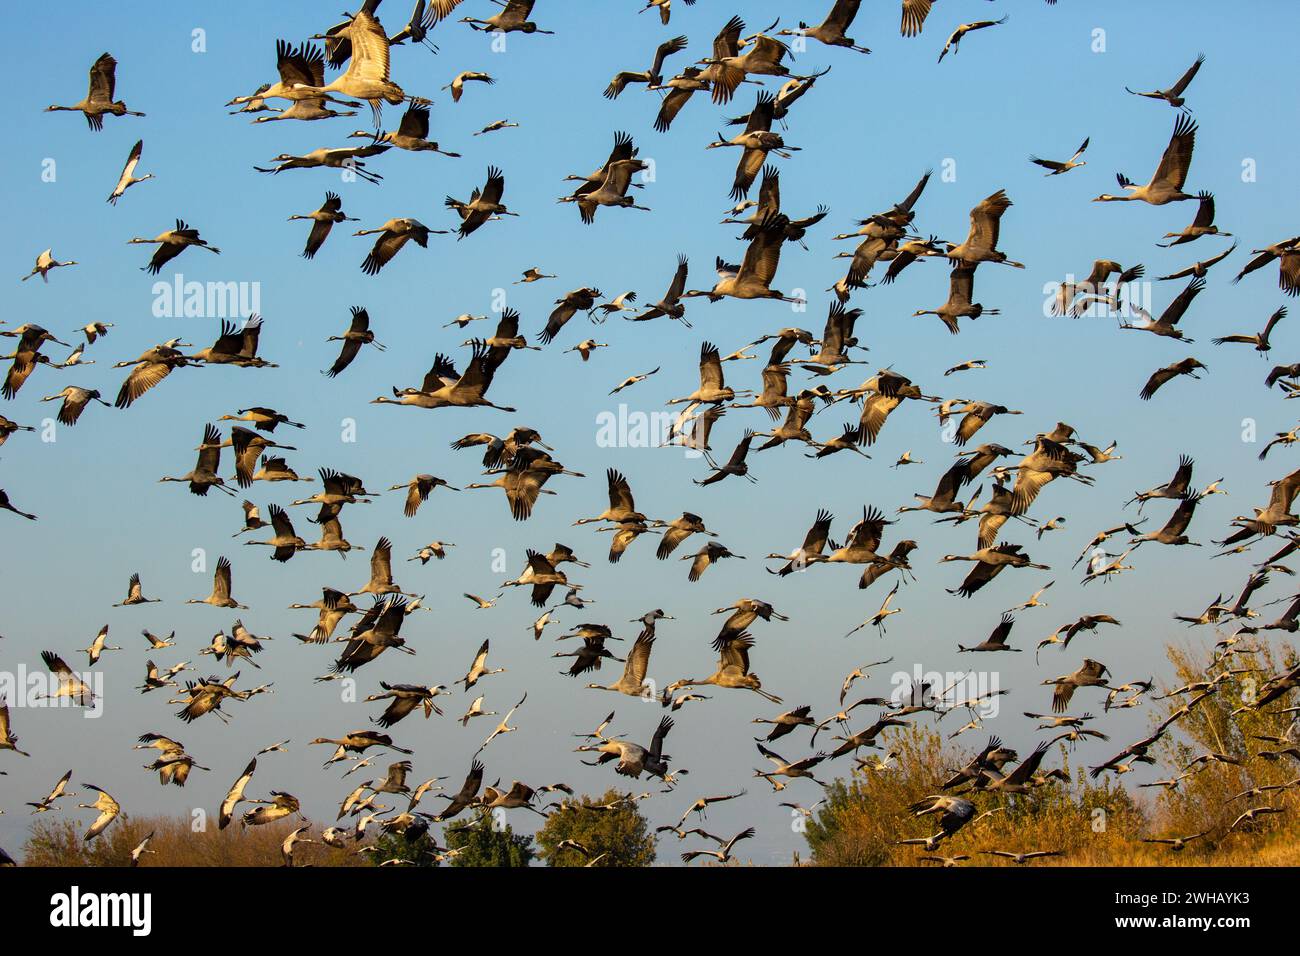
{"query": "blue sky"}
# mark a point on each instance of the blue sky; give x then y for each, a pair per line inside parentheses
(867, 131)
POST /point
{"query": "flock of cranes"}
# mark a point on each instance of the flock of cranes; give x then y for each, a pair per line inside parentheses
(799, 384)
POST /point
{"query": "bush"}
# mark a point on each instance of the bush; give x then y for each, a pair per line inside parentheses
(864, 817)
(1094, 822)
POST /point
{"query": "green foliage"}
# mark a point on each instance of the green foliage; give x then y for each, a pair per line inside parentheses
(422, 851)
(622, 835)
(480, 843)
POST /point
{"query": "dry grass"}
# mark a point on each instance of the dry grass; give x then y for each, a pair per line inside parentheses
(59, 843)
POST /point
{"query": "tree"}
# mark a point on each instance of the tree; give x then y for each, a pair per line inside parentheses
(422, 851)
(485, 842)
(622, 834)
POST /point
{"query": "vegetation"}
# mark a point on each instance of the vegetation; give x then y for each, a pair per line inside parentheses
(864, 817)
(420, 852)
(1093, 821)
(621, 835)
(55, 842)
(487, 842)
(1214, 797)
